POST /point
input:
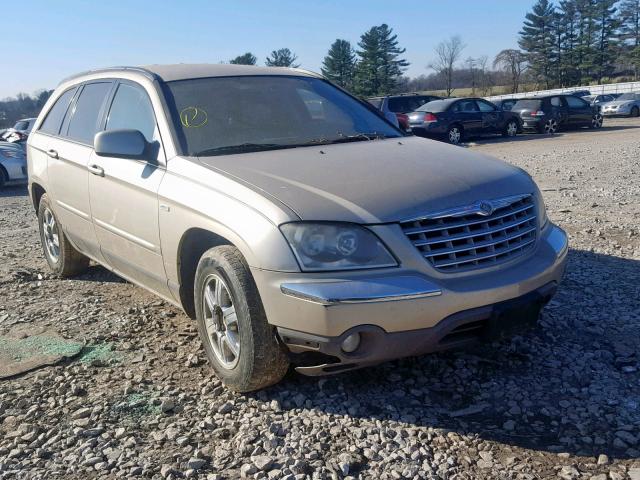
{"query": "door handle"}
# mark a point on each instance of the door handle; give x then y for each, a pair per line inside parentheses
(96, 170)
(52, 153)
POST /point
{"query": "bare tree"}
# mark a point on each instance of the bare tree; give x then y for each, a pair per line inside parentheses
(514, 62)
(486, 80)
(447, 53)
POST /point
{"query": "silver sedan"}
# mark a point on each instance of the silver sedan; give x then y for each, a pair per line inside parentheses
(13, 164)
(627, 105)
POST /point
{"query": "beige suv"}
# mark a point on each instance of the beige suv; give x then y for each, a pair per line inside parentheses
(288, 217)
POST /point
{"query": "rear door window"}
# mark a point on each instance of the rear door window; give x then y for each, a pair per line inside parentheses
(466, 106)
(131, 109)
(84, 121)
(56, 114)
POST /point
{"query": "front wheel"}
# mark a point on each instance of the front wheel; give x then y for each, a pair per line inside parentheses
(511, 129)
(63, 259)
(635, 112)
(596, 121)
(455, 134)
(240, 344)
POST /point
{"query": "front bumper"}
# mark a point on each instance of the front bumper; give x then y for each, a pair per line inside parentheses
(401, 312)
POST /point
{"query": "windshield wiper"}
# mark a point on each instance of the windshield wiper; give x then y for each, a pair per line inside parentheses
(358, 137)
(241, 148)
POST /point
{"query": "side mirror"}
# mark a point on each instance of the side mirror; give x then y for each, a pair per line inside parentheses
(124, 143)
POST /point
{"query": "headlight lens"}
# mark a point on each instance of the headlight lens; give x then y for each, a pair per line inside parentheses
(336, 246)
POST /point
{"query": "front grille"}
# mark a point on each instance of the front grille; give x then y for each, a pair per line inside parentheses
(453, 243)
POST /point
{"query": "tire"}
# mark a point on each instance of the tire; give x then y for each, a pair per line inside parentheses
(241, 346)
(455, 134)
(596, 121)
(549, 127)
(3, 178)
(64, 260)
(511, 129)
(635, 112)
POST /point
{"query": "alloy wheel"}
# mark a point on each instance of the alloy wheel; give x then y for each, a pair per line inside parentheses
(221, 322)
(455, 135)
(51, 235)
(596, 121)
(512, 129)
(551, 126)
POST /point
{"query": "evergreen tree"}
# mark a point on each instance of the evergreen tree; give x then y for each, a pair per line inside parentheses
(630, 34)
(380, 66)
(606, 42)
(537, 40)
(246, 59)
(567, 26)
(586, 54)
(339, 64)
(282, 58)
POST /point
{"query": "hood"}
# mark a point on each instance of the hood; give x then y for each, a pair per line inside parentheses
(376, 181)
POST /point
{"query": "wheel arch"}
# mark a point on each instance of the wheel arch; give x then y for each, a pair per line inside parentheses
(193, 243)
(37, 191)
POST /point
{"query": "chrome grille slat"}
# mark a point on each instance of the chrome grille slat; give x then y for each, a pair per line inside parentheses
(487, 243)
(509, 250)
(479, 233)
(453, 243)
(411, 231)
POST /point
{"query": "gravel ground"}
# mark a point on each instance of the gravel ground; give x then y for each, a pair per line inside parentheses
(560, 402)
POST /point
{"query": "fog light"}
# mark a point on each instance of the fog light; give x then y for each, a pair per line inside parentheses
(351, 343)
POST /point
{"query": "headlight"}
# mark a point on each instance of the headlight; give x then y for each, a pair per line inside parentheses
(336, 246)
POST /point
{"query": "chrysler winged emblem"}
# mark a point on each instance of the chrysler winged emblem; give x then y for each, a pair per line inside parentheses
(485, 208)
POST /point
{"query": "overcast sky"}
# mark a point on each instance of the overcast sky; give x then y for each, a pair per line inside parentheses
(51, 40)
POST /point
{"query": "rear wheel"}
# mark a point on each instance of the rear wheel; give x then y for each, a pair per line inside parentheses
(511, 129)
(240, 344)
(63, 259)
(549, 127)
(455, 134)
(596, 121)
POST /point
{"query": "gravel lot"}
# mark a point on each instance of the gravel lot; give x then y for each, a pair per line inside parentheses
(560, 402)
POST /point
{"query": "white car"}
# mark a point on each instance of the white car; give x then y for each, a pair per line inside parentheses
(627, 105)
(20, 131)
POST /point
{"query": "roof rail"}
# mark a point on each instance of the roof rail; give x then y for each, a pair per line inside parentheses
(141, 70)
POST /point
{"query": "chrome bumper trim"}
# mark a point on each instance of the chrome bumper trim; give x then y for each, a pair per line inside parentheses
(557, 238)
(377, 289)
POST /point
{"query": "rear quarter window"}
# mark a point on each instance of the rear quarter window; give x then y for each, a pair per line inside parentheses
(53, 120)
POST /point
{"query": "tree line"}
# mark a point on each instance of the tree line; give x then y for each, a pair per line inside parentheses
(578, 42)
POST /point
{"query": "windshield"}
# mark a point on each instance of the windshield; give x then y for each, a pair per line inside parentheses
(628, 96)
(21, 125)
(224, 115)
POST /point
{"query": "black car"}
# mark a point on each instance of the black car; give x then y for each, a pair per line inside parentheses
(550, 113)
(505, 103)
(456, 118)
(400, 105)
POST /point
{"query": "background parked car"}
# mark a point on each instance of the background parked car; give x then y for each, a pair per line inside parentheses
(580, 93)
(456, 118)
(401, 105)
(13, 164)
(20, 131)
(598, 99)
(627, 104)
(550, 113)
(505, 103)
